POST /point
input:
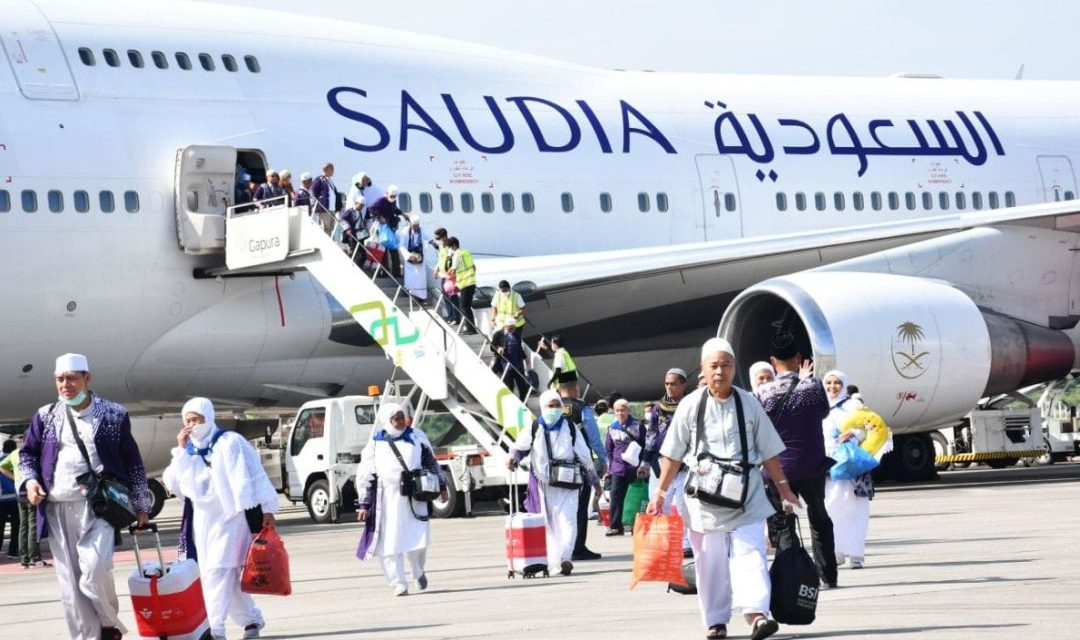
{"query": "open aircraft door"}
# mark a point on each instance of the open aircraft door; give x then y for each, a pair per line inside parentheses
(1058, 180)
(205, 182)
(721, 209)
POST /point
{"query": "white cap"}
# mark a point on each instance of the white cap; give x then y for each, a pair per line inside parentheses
(305, 176)
(359, 200)
(392, 190)
(676, 371)
(71, 362)
(716, 345)
(359, 178)
(414, 219)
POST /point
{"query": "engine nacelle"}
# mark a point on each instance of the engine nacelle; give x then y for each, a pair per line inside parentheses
(920, 351)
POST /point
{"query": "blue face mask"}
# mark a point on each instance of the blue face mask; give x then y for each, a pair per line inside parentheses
(76, 401)
(552, 414)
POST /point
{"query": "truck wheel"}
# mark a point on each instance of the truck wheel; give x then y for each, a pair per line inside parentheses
(453, 506)
(1000, 464)
(914, 457)
(158, 494)
(317, 501)
(941, 448)
(1047, 456)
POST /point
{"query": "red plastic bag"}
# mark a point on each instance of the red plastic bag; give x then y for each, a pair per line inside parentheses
(267, 568)
(658, 552)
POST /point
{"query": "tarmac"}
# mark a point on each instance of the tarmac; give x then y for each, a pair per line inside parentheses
(977, 554)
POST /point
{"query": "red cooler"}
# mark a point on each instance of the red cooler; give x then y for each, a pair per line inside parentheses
(526, 539)
(168, 606)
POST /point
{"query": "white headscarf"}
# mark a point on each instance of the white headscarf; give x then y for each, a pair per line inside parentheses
(843, 386)
(547, 397)
(387, 411)
(757, 368)
(202, 406)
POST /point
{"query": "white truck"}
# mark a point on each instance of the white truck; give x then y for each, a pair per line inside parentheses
(997, 433)
(1061, 438)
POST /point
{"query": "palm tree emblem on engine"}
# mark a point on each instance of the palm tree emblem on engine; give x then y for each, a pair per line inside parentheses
(907, 361)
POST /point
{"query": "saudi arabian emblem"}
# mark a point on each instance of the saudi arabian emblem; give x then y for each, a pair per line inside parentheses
(908, 354)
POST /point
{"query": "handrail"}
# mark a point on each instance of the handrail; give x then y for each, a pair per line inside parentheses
(588, 383)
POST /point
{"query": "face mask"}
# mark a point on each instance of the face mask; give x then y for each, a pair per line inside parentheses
(200, 431)
(394, 433)
(74, 402)
(552, 414)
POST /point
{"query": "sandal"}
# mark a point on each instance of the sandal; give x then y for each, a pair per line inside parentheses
(717, 631)
(763, 628)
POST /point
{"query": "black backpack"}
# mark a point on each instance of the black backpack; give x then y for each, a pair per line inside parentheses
(795, 584)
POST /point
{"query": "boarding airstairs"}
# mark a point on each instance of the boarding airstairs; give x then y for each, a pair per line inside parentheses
(445, 367)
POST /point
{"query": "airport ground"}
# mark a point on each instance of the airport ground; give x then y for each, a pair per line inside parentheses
(977, 554)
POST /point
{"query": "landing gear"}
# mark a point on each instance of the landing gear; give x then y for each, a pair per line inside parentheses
(912, 458)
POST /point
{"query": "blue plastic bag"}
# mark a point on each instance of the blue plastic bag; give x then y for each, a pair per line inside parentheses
(851, 461)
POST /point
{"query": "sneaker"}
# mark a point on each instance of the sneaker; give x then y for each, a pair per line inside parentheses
(566, 568)
(401, 590)
(585, 555)
(614, 532)
(421, 582)
(111, 633)
(252, 630)
(687, 553)
(856, 564)
(45, 563)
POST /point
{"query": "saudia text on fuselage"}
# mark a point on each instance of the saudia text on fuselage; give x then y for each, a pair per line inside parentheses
(560, 128)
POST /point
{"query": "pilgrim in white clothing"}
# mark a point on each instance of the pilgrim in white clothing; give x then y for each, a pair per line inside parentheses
(220, 477)
(558, 505)
(412, 242)
(849, 511)
(396, 528)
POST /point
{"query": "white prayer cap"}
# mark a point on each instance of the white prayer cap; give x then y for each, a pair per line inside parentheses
(414, 219)
(201, 406)
(359, 200)
(359, 177)
(392, 190)
(716, 345)
(305, 176)
(677, 372)
(71, 362)
(547, 396)
(387, 411)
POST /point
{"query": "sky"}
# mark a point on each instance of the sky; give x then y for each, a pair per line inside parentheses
(953, 38)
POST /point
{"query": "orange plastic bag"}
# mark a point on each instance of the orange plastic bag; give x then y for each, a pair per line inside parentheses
(267, 568)
(658, 553)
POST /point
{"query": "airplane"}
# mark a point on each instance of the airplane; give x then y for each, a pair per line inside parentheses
(919, 233)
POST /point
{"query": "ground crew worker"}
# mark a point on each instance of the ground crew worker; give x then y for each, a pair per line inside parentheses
(508, 307)
(562, 362)
(463, 269)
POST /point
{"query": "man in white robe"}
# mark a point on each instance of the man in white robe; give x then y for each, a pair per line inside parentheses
(553, 437)
(396, 526)
(412, 242)
(220, 475)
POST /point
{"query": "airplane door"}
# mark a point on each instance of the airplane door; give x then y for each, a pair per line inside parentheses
(1058, 180)
(204, 181)
(721, 210)
(34, 53)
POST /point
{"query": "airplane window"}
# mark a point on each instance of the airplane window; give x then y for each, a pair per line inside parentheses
(729, 201)
(136, 59)
(446, 202)
(605, 202)
(976, 200)
(838, 201)
(528, 204)
(425, 202)
(943, 201)
(207, 61)
(567, 202)
(183, 61)
(87, 56)
(487, 202)
(5, 201)
(992, 198)
(643, 202)
(894, 200)
(875, 200)
(800, 201)
(819, 201)
(858, 201)
(111, 58)
(961, 200)
(467, 203)
(927, 200)
(404, 202)
(230, 63)
(909, 200)
(131, 201)
(160, 60)
(82, 201)
(252, 64)
(1069, 195)
(781, 201)
(106, 202)
(56, 201)
(1010, 199)
(29, 201)
(508, 203)
(661, 202)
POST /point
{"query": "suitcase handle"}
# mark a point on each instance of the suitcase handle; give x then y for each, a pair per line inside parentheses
(149, 526)
(134, 530)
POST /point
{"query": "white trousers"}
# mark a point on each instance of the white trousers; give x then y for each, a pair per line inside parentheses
(560, 521)
(850, 515)
(731, 572)
(82, 549)
(221, 591)
(393, 566)
(676, 497)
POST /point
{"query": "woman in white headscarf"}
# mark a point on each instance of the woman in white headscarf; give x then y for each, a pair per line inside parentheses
(396, 526)
(847, 501)
(226, 491)
(553, 438)
(760, 373)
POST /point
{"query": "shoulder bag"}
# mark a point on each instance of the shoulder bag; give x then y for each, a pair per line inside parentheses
(564, 474)
(419, 484)
(109, 498)
(719, 481)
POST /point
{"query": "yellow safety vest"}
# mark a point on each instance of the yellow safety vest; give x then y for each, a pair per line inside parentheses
(440, 266)
(506, 308)
(570, 366)
(466, 275)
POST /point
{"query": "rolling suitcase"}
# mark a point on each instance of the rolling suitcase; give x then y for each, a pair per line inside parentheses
(168, 603)
(526, 540)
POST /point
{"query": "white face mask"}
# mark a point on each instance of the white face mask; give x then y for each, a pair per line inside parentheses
(394, 433)
(552, 414)
(200, 431)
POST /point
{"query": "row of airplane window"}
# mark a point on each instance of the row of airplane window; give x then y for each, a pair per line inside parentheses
(894, 201)
(508, 202)
(161, 60)
(80, 201)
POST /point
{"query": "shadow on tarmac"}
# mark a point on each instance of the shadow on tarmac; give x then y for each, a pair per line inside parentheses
(984, 580)
(957, 563)
(878, 631)
(351, 632)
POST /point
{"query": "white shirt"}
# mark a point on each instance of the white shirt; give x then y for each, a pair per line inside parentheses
(69, 461)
